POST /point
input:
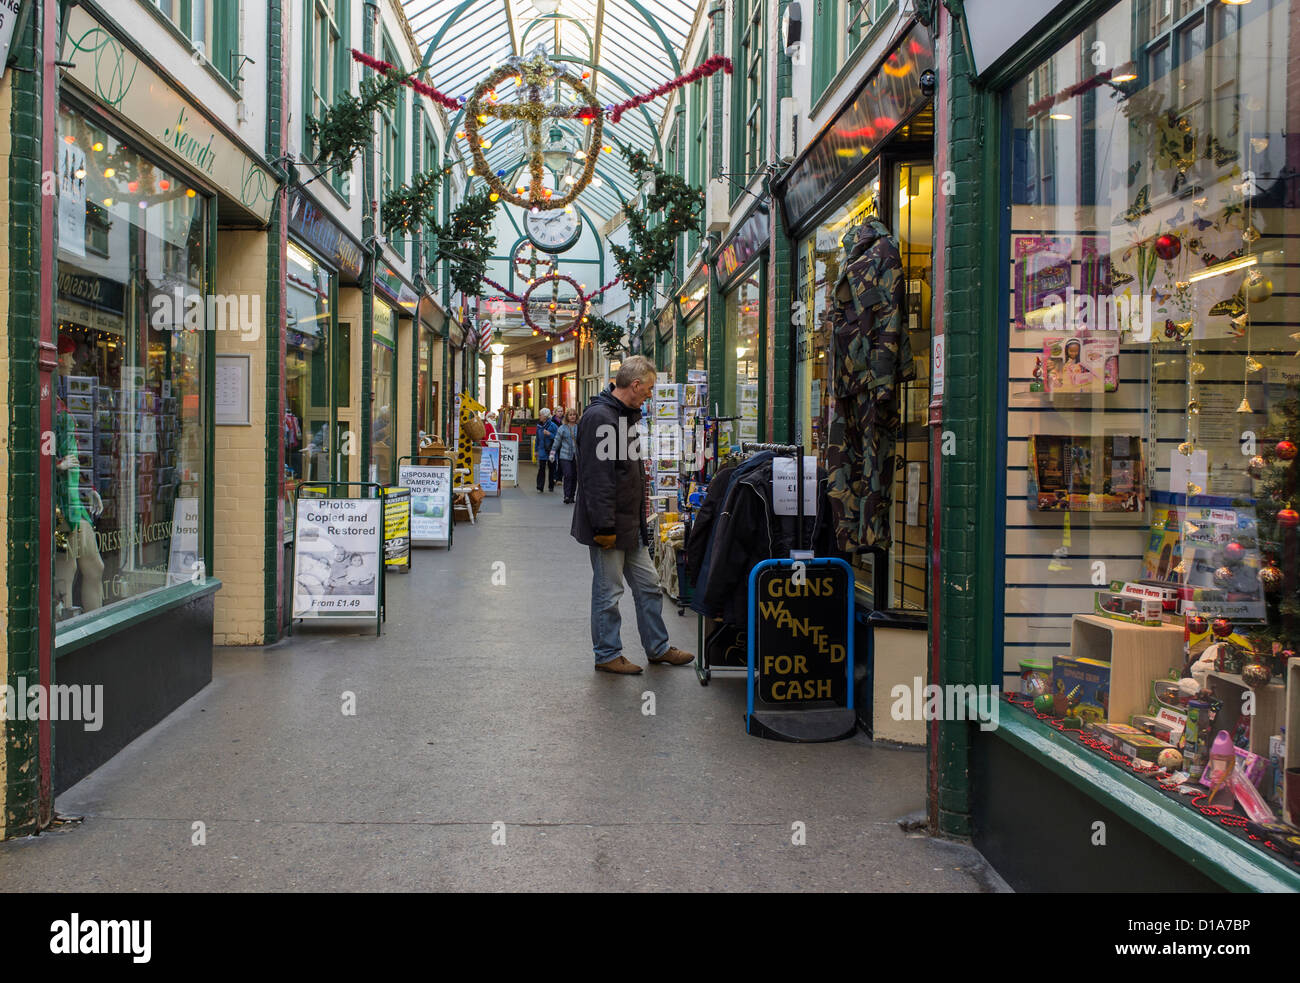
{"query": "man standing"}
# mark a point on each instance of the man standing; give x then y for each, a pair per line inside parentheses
(546, 431)
(610, 519)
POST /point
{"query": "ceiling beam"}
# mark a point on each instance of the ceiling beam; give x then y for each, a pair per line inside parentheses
(600, 34)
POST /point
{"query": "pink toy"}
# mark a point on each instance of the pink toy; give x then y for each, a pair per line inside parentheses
(1223, 760)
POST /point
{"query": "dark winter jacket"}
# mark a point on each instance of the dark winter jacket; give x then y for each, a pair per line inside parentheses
(611, 475)
(747, 531)
(697, 543)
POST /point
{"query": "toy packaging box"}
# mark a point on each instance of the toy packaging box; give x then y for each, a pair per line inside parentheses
(1142, 746)
(1112, 734)
(1084, 364)
(1085, 683)
(1084, 473)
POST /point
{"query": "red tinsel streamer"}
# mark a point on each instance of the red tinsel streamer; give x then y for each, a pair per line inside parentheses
(420, 87)
(492, 283)
(705, 69)
(594, 294)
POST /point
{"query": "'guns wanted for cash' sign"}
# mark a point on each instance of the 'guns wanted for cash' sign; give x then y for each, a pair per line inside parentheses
(801, 650)
(336, 569)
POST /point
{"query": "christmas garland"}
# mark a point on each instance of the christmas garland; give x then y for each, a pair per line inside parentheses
(468, 242)
(411, 207)
(651, 251)
(345, 127)
(608, 334)
(703, 71)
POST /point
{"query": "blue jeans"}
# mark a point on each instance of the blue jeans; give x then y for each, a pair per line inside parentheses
(609, 568)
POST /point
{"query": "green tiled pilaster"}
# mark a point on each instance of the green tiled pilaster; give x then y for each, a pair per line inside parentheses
(21, 796)
(273, 552)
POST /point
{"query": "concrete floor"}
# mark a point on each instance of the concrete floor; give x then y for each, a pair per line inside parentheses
(479, 706)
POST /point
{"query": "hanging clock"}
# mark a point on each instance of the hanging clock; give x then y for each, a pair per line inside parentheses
(553, 231)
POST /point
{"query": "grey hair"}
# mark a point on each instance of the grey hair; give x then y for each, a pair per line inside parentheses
(633, 368)
(546, 411)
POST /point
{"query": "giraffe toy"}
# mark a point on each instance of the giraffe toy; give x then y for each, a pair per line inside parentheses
(464, 445)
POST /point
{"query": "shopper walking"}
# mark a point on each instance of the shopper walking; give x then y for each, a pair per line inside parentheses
(564, 453)
(610, 519)
(546, 431)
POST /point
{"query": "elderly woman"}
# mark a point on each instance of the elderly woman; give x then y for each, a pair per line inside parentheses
(565, 452)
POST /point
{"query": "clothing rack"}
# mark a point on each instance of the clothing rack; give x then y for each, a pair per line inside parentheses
(786, 450)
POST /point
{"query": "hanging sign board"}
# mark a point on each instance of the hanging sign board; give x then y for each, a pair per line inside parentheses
(785, 491)
(430, 488)
(489, 469)
(801, 650)
(397, 529)
(509, 458)
(338, 542)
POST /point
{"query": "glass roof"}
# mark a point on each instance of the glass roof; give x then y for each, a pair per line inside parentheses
(630, 46)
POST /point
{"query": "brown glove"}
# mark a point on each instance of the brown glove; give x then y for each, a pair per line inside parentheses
(605, 542)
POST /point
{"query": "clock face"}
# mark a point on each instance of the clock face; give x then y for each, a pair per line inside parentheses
(553, 231)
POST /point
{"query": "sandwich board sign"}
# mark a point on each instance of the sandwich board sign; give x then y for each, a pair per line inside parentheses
(430, 488)
(338, 556)
(800, 680)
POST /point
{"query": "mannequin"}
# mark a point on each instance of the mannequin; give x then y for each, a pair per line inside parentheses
(76, 546)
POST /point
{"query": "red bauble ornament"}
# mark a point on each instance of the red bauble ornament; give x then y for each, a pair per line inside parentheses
(1221, 627)
(1234, 552)
(1168, 246)
(1271, 577)
(1197, 625)
(1286, 450)
(1288, 518)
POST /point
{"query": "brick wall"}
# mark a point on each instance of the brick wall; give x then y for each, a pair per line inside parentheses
(239, 478)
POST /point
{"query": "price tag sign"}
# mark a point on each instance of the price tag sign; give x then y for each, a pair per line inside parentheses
(785, 493)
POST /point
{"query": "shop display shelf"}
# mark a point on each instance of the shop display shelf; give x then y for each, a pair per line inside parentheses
(1270, 707)
(1137, 655)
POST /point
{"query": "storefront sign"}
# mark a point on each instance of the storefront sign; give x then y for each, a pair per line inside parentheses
(388, 283)
(109, 70)
(336, 566)
(800, 616)
(314, 227)
(695, 292)
(747, 241)
(890, 96)
(397, 528)
(430, 488)
(561, 352)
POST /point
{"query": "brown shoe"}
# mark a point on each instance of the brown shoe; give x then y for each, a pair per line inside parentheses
(675, 657)
(620, 666)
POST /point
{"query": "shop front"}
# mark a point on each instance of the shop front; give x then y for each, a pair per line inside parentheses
(665, 343)
(1143, 543)
(742, 279)
(428, 370)
(132, 362)
(857, 206)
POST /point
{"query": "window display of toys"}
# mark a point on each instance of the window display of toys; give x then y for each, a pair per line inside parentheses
(1084, 684)
(1035, 677)
(1126, 607)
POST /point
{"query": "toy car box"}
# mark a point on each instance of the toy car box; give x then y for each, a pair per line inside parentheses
(1085, 683)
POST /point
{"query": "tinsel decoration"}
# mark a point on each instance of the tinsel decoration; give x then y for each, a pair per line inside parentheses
(535, 74)
(555, 278)
(702, 71)
(651, 250)
(424, 89)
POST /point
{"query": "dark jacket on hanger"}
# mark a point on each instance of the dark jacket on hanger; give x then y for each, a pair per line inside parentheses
(747, 531)
(697, 544)
(611, 483)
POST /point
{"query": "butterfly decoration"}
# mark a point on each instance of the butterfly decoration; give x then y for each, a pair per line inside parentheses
(1233, 306)
(1177, 330)
(1209, 259)
(1119, 277)
(1201, 223)
(1221, 155)
(1160, 296)
(1141, 205)
(1177, 219)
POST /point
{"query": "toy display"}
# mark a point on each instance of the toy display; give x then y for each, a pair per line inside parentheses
(1086, 474)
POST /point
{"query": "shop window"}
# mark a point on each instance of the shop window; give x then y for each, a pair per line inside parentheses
(131, 428)
(1151, 396)
(432, 159)
(742, 357)
(212, 27)
(749, 100)
(383, 395)
(699, 146)
(308, 318)
(329, 69)
(697, 345)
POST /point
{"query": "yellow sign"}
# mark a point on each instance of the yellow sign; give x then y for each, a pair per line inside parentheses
(397, 527)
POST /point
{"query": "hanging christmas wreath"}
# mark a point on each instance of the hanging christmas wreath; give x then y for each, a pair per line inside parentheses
(554, 278)
(652, 249)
